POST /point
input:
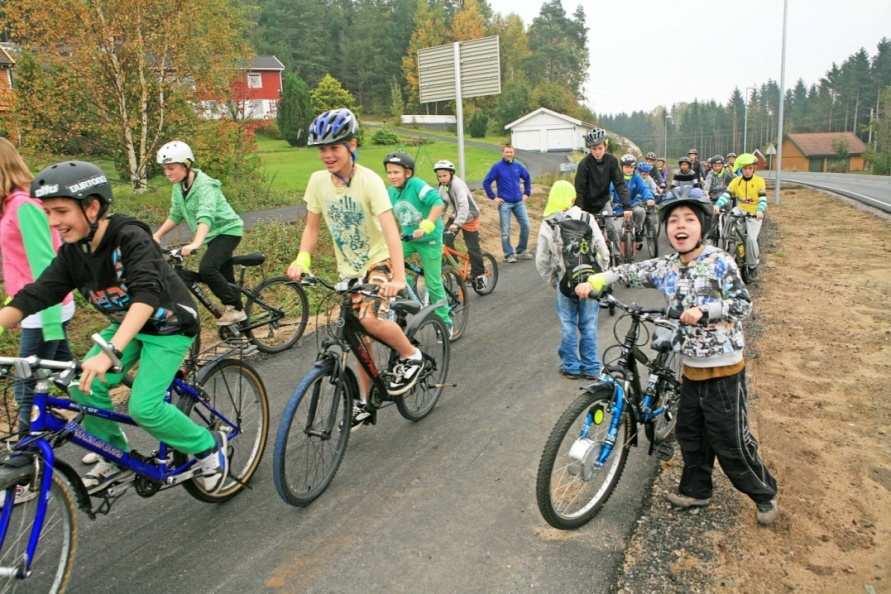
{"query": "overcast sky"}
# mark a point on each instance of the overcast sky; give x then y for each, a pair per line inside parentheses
(657, 38)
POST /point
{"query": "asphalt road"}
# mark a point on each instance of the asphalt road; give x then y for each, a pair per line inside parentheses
(443, 505)
(872, 190)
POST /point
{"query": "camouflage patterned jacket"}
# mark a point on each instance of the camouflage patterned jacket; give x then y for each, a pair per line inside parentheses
(711, 283)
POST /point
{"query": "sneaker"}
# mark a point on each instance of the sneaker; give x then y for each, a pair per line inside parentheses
(687, 502)
(480, 282)
(525, 256)
(360, 414)
(512, 259)
(101, 473)
(570, 374)
(214, 465)
(90, 458)
(231, 316)
(590, 375)
(405, 374)
(767, 512)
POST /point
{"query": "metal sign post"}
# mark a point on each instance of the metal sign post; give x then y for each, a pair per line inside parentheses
(782, 101)
(457, 71)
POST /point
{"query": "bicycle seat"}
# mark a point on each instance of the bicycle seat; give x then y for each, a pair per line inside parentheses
(254, 259)
(406, 305)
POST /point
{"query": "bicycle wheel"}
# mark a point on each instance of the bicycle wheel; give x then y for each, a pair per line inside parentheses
(459, 307)
(490, 265)
(237, 394)
(312, 436)
(57, 546)
(628, 246)
(431, 337)
(668, 394)
(277, 314)
(652, 237)
(570, 493)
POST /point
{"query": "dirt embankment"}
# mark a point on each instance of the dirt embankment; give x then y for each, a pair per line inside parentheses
(820, 383)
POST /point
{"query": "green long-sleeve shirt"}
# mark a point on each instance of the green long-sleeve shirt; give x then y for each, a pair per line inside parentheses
(205, 203)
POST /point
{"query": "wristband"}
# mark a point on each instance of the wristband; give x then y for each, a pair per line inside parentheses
(427, 226)
(303, 260)
(597, 282)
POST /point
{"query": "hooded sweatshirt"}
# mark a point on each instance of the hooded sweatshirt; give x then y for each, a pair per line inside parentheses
(205, 203)
(126, 268)
(28, 246)
(592, 183)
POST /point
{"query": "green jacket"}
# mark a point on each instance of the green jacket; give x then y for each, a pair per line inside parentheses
(412, 203)
(205, 203)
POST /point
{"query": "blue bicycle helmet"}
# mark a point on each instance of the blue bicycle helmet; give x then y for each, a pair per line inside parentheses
(644, 167)
(332, 127)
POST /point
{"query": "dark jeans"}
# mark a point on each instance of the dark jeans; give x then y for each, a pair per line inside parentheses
(472, 241)
(216, 271)
(32, 343)
(712, 422)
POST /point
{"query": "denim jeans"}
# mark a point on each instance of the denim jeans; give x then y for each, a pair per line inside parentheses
(32, 343)
(519, 210)
(578, 335)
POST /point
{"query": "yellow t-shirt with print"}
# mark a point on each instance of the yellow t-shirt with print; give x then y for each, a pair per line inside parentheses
(351, 215)
(748, 193)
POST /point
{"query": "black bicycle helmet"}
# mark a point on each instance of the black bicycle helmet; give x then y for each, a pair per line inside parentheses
(685, 160)
(400, 159)
(696, 199)
(716, 159)
(77, 180)
(730, 155)
(651, 155)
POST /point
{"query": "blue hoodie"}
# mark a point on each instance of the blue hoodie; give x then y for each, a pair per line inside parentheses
(507, 176)
(638, 192)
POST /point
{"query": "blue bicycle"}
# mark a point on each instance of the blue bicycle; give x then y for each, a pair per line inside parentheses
(586, 451)
(40, 491)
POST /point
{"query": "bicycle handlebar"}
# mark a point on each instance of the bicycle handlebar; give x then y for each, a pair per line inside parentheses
(342, 287)
(25, 365)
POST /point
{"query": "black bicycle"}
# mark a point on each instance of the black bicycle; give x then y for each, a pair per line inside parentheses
(587, 449)
(315, 426)
(734, 240)
(651, 232)
(277, 309)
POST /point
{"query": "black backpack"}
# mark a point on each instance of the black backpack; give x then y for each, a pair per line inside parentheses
(579, 253)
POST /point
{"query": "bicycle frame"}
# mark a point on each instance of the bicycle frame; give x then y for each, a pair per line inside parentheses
(459, 261)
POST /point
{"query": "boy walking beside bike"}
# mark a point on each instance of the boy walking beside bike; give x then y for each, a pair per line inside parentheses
(465, 218)
(119, 269)
(704, 284)
(196, 198)
(571, 248)
(356, 207)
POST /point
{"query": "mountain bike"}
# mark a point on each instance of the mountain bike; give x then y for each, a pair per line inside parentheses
(734, 237)
(38, 521)
(651, 232)
(587, 449)
(277, 309)
(315, 426)
(459, 261)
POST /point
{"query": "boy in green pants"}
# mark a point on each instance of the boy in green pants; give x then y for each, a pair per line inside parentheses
(418, 209)
(119, 269)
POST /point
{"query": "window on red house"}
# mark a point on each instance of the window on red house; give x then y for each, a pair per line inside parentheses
(255, 81)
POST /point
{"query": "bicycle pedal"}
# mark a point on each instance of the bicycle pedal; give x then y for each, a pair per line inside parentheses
(665, 451)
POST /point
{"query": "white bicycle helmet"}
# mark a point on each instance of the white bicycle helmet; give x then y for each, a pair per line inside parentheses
(444, 164)
(175, 151)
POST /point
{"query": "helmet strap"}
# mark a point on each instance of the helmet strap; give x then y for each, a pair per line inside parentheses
(86, 242)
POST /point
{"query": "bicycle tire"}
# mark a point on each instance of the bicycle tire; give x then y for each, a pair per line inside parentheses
(600, 398)
(652, 238)
(628, 244)
(663, 427)
(310, 386)
(459, 306)
(274, 336)
(420, 402)
(221, 392)
(42, 578)
(490, 265)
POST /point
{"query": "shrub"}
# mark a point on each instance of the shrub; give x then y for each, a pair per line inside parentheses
(478, 124)
(385, 136)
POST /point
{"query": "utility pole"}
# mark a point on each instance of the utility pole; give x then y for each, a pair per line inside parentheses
(782, 97)
(746, 120)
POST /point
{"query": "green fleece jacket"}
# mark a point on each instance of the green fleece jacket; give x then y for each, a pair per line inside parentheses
(205, 203)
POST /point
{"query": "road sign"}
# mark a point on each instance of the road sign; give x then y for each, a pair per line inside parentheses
(457, 70)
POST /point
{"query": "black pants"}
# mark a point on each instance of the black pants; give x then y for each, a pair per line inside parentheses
(472, 241)
(217, 272)
(712, 422)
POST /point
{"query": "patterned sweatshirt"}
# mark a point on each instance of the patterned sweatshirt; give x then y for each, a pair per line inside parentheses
(712, 283)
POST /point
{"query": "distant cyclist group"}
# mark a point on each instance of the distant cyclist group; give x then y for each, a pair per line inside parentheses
(57, 235)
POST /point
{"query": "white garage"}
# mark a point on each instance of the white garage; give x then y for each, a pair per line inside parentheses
(544, 130)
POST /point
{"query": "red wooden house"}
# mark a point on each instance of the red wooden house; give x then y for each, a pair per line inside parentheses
(255, 92)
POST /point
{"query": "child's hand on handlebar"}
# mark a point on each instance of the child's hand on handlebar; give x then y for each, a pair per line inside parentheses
(188, 249)
(391, 288)
(91, 369)
(691, 316)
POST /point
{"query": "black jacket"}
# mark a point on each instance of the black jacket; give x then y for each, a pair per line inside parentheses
(592, 179)
(127, 267)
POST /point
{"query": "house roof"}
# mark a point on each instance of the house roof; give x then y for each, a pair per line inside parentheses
(6, 58)
(266, 63)
(562, 116)
(821, 144)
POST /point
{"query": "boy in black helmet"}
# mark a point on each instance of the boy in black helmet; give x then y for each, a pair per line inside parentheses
(117, 266)
(704, 283)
